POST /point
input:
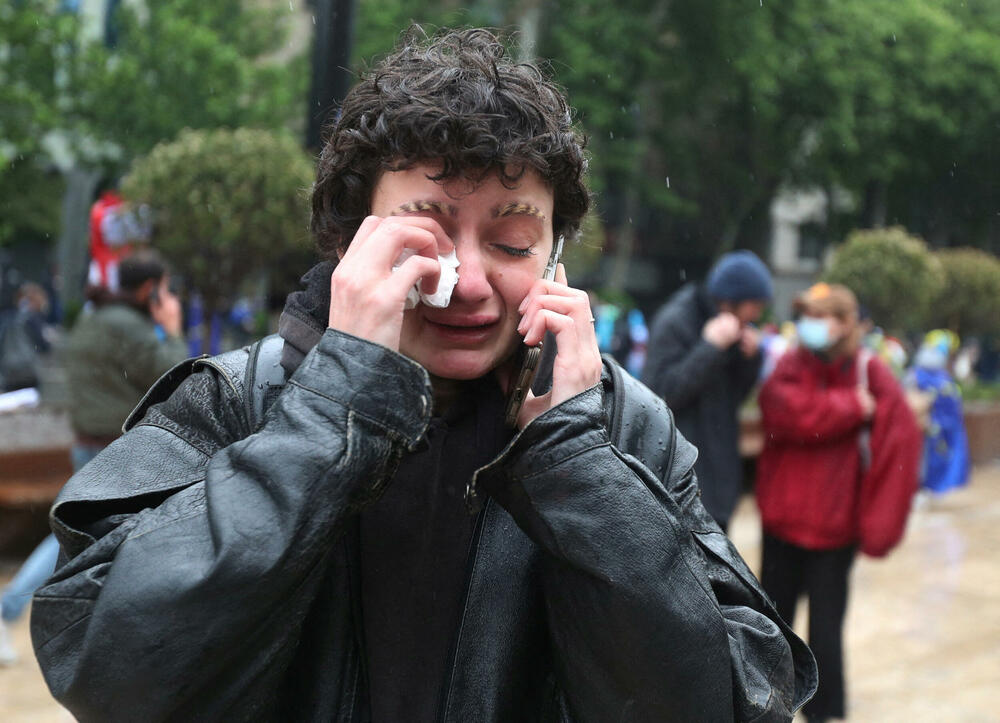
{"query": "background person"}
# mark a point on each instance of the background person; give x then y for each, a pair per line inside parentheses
(946, 462)
(703, 359)
(837, 473)
(115, 353)
(24, 338)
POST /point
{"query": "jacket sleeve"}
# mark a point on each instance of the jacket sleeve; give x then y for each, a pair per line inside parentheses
(679, 367)
(652, 614)
(794, 409)
(747, 373)
(193, 549)
(889, 484)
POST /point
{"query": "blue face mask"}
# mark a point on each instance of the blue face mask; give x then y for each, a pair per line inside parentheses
(814, 333)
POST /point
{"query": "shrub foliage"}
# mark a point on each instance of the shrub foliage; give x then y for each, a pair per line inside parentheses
(227, 204)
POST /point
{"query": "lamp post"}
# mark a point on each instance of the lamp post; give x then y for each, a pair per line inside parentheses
(330, 64)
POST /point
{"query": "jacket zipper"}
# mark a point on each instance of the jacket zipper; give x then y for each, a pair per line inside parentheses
(470, 567)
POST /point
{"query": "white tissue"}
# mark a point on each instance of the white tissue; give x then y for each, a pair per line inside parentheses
(449, 277)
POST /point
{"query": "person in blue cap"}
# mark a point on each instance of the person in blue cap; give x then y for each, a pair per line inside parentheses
(703, 359)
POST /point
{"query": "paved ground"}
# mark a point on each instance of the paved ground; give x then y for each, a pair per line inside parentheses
(923, 629)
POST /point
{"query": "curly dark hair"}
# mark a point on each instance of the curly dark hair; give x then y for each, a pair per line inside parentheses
(456, 99)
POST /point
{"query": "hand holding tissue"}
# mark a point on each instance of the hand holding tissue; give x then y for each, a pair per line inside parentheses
(446, 284)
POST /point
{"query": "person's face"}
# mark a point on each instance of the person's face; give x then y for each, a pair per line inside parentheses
(503, 237)
(748, 311)
(839, 328)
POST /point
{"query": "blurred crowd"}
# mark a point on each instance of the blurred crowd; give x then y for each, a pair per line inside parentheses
(855, 422)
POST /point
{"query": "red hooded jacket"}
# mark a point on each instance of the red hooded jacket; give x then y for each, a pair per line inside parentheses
(811, 487)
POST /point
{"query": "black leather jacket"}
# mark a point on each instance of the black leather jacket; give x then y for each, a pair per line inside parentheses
(209, 571)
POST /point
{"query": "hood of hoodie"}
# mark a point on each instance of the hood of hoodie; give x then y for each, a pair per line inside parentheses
(306, 315)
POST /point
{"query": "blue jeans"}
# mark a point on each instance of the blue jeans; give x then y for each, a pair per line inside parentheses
(41, 563)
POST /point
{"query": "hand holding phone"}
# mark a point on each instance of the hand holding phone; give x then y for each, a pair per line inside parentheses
(165, 309)
(529, 365)
(553, 306)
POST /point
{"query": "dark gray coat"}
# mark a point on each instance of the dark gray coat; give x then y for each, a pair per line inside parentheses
(209, 571)
(704, 388)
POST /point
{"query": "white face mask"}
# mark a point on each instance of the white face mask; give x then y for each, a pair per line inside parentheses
(814, 333)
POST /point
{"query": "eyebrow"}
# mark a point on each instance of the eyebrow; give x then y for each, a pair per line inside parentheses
(514, 208)
(518, 209)
(422, 206)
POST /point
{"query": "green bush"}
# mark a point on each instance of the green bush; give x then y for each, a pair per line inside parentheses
(893, 274)
(969, 302)
(228, 204)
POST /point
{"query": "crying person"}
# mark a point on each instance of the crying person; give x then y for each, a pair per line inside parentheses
(362, 537)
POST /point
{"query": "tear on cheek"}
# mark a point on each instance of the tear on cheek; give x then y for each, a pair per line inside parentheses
(446, 284)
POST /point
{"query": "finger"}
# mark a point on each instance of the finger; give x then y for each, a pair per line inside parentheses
(414, 269)
(578, 364)
(561, 274)
(543, 287)
(568, 305)
(419, 233)
(364, 232)
(572, 336)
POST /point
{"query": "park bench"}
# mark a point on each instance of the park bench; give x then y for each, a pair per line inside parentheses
(35, 463)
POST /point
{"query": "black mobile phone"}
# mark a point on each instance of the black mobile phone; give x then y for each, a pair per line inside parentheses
(529, 365)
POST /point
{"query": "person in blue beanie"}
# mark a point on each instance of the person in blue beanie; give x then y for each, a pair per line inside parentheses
(703, 359)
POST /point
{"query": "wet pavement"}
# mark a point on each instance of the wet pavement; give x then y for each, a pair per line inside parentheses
(923, 626)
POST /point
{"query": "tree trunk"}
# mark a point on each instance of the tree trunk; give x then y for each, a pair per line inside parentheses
(625, 245)
(875, 208)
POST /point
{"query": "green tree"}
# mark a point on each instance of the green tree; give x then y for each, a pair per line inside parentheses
(33, 39)
(698, 113)
(189, 64)
(227, 204)
(969, 302)
(893, 274)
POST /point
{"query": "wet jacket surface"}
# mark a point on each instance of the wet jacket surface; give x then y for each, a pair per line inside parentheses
(704, 387)
(209, 570)
(812, 488)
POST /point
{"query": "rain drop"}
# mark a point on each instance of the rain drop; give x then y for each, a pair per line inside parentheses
(668, 181)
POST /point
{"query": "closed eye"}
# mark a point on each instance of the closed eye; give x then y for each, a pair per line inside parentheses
(515, 251)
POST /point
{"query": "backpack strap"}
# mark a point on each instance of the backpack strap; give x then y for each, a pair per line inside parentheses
(865, 433)
(265, 377)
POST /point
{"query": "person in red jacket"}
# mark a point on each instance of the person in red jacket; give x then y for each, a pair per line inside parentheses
(837, 474)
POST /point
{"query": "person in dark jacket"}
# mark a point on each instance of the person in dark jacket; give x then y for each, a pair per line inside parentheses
(703, 360)
(284, 533)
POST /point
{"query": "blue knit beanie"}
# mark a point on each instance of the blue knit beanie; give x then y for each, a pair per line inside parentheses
(740, 276)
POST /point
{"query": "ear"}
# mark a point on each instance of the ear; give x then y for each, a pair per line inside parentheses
(145, 290)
